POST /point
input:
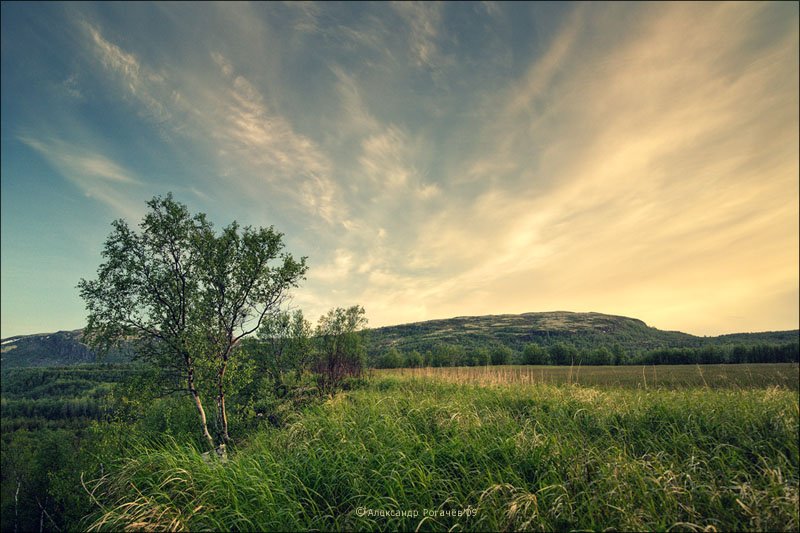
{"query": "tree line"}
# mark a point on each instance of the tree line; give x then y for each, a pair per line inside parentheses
(565, 353)
(53, 408)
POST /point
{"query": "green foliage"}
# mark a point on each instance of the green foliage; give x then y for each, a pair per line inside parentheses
(586, 331)
(303, 464)
(342, 351)
(476, 357)
(68, 381)
(53, 408)
(184, 296)
(50, 436)
(392, 359)
(757, 353)
(617, 354)
(563, 353)
(600, 356)
(626, 338)
(501, 355)
(414, 359)
(535, 355)
(243, 277)
(28, 462)
(51, 440)
(522, 457)
(448, 355)
(284, 349)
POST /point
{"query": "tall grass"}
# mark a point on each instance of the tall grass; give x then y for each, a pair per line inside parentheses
(742, 376)
(409, 454)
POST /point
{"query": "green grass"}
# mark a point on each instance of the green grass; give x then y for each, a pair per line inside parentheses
(742, 376)
(395, 455)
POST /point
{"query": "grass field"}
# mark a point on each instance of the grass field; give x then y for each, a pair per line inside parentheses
(439, 452)
(744, 376)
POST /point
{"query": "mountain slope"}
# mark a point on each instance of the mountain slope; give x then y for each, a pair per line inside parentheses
(587, 330)
(50, 349)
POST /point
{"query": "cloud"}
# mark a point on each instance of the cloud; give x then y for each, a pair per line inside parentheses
(355, 114)
(541, 74)
(70, 86)
(383, 158)
(639, 160)
(253, 145)
(337, 270)
(423, 19)
(653, 175)
(261, 139)
(308, 16)
(223, 64)
(139, 83)
(95, 175)
(667, 159)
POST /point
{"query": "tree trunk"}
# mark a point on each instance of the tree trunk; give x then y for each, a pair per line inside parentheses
(200, 410)
(221, 412)
(16, 506)
(225, 436)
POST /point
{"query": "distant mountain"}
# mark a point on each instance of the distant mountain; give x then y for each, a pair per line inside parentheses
(50, 349)
(515, 331)
(581, 329)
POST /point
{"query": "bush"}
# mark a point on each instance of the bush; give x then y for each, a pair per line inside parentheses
(535, 355)
(414, 360)
(501, 355)
(563, 353)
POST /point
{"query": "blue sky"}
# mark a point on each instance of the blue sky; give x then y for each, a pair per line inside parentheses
(431, 160)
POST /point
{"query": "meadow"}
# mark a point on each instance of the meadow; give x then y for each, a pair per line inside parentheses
(742, 376)
(693, 449)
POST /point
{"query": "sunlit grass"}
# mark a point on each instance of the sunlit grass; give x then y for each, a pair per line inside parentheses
(397, 454)
(743, 376)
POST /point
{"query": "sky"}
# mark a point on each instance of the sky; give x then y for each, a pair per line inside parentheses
(431, 160)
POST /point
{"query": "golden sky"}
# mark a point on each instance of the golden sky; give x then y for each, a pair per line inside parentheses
(432, 160)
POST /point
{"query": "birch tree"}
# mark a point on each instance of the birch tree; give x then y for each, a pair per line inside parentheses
(183, 296)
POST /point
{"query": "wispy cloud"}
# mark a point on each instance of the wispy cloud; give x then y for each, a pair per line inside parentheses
(95, 175)
(234, 118)
(383, 158)
(423, 19)
(71, 87)
(308, 15)
(639, 163)
(608, 179)
(264, 140)
(138, 82)
(355, 114)
(433, 160)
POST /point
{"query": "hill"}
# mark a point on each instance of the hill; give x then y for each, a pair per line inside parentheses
(61, 348)
(584, 330)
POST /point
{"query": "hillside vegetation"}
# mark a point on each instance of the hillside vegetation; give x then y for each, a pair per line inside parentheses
(61, 348)
(583, 330)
